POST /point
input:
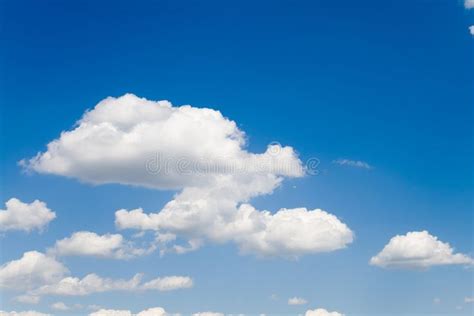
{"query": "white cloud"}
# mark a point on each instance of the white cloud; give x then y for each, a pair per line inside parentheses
(39, 275)
(85, 243)
(289, 232)
(33, 269)
(436, 301)
(111, 312)
(418, 250)
(92, 283)
(352, 163)
(116, 141)
(27, 313)
(297, 301)
(168, 283)
(322, 312)
(134, 141)
(27, 299)
(156, 311)
(469, 4)
(60, 306)
(24, 216)
(208, 314)
(469, 299)
(471, 29)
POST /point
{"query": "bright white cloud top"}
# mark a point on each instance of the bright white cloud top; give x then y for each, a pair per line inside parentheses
(418, 250)
(117, 140)
(322, 312)
(134, 141)
(25, 216)
(469, 4)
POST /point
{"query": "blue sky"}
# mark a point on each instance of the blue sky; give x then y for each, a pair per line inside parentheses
(388, 83)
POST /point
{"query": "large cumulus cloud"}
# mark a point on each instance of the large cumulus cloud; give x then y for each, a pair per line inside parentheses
(202, 155)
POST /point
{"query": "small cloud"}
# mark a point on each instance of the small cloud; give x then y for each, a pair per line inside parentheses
(352, 163)
(25, 216)
(60, 306)
(436, 301)
(297, 301)
(471, 30)
(418, 250)
(469, 4)
(27, 299)
(469, 299)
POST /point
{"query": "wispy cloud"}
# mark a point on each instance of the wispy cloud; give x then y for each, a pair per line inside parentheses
(469, 4)
(352, 163)
(297, 301)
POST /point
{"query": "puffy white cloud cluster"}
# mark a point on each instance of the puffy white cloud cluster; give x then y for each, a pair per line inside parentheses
(131, 140)
(322, 312)
(289, 232)
(418, 250)
(40, 275)
(92, 283)
(86, 243)
(33, 269)
(296, 301)
(25, 216)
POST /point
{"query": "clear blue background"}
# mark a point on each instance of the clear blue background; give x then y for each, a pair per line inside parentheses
(387, 82)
